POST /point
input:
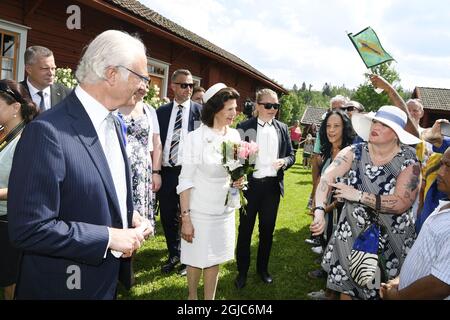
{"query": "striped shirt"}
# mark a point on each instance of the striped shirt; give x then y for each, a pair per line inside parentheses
(430, 253)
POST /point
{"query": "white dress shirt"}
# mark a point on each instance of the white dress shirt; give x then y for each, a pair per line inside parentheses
(430, 254)
(98, 113)
(184, 131)
(37, 98)
(267, 141)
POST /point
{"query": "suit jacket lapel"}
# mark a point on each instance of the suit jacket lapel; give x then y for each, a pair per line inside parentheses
(280, 137)
(88, 136)
(55, 95)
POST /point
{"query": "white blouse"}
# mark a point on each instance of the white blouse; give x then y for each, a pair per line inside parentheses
(202, 170)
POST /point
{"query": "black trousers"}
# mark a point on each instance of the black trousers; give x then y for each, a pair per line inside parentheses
(169, 203)
(263, 197)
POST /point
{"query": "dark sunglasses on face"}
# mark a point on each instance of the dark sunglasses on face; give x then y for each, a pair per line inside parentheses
(349, 109)
(269, 106)
(4, 88)
(185, 85)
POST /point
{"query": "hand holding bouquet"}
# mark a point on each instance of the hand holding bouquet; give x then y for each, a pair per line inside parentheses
(237, 159)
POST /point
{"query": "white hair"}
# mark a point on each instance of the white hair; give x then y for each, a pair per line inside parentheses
(110, 48)
(340, 98)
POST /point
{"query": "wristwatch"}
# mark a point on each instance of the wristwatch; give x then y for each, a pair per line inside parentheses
(156, 172)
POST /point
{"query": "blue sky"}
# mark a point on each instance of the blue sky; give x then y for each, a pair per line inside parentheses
(305, 40)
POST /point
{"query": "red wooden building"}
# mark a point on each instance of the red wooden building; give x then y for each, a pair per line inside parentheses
(170, 46)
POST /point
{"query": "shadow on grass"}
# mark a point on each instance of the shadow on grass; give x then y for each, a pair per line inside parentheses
(290, 261)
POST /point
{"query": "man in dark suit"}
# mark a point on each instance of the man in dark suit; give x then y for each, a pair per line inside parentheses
(40, 69)
(275, 154)
(69, 205)
(175, 119)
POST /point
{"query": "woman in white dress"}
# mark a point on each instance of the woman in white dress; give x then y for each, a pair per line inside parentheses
(208, 225)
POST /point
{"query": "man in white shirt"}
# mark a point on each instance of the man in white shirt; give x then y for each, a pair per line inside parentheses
(176, 119)
(275, 155)
(425, 274)
(40, 69)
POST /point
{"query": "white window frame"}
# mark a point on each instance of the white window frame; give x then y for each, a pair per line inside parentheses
(22, 31)
(197, 81)
(165, 66)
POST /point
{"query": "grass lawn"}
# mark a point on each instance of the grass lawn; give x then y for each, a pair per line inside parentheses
(290, 260)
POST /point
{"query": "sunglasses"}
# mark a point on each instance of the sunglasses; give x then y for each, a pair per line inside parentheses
(145, 80)
(185, 85)
(269, 106)
(4, 88)
(349, 109)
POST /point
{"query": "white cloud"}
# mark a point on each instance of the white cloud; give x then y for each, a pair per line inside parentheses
(305, 40)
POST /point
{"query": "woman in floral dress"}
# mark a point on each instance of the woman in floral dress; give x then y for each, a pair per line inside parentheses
(144, 153)
(384, 176)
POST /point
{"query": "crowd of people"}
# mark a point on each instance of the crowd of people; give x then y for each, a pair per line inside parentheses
(83, 173)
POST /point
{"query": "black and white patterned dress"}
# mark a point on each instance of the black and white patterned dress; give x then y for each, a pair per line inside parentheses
(399, 233)
(139, 145)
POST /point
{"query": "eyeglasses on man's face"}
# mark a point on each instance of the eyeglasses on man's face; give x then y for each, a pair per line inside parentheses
(269, 106)
(145, 80)
(185, 85)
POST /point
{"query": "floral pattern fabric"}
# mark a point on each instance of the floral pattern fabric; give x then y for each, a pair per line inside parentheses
(398, 236)
(139, 131)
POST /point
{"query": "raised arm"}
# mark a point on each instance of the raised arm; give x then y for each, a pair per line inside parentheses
(396, 99)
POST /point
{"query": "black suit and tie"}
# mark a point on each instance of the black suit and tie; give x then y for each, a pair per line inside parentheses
(58, 92)
(263, 197)
(61, 201)
(167, 195)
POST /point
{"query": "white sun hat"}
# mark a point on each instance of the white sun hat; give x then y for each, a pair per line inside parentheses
(391, 116)
(212, 91)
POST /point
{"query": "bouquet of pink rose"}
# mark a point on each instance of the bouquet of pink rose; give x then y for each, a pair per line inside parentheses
(237, 159)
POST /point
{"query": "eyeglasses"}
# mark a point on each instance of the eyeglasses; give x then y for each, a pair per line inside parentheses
(4, 88)
(349, 109)
(145, 80)
(269, 106)
(185, 85)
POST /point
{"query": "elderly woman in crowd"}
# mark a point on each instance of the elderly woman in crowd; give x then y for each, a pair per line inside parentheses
(384, 176)
(16, 110)
(208, 225)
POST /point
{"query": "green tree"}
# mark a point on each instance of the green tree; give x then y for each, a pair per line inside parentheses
(366, 94)
(303, 86)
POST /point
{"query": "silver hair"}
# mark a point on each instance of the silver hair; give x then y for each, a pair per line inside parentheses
(110, 48)
(417, 102)
(343, 99)
(265, 92)
(33, 52)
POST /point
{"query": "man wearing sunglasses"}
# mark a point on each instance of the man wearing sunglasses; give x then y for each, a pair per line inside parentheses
(176, 119)
(275, 155)
(40, 69)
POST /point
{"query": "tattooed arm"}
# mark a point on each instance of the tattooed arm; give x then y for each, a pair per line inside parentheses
(407, 186)
(339, 167)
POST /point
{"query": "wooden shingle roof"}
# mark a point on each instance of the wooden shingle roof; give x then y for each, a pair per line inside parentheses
(140, 10)
(433, 98)
(313, 115)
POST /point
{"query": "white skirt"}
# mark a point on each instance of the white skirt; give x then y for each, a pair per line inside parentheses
(213, 242)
